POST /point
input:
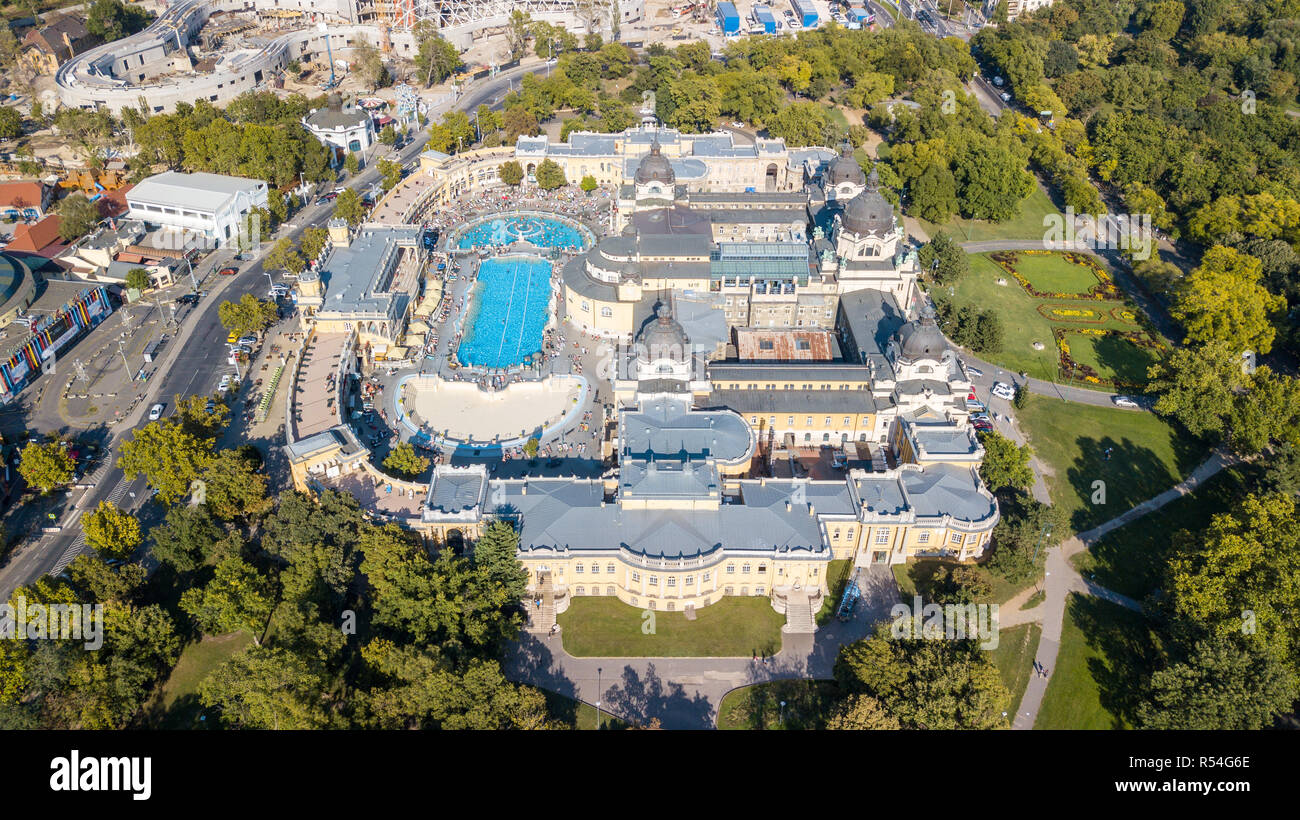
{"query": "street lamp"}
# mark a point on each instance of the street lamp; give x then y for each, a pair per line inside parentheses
(597, 697)
(782, 714)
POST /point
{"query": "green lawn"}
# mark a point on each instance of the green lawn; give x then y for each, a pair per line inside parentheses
(837, 577)
(1022, 323)
(1148, 456)
(601, 627)
(1028, 224)
(1053, 273)
(1113, 357)
(574, 714)
(1105, 651)
(177, 705)
(1131, 559)
(807, 705)
(1014, 659)
(918, 575)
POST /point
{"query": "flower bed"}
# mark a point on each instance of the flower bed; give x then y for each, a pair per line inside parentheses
(1104, 289)
(1123, 314)
(1071, 313)
(1073, 370)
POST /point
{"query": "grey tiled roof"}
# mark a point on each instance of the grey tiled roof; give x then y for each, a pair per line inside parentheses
(669, 428)
(793, 372)
(455, 492)
(943, 489)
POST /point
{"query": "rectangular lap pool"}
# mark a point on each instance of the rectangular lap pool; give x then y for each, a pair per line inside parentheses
(508, 313)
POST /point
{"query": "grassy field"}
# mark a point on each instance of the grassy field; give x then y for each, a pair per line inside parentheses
(1105, 649)
(918, 575)
(1022, 323)
(807, 705)
(1148, 456)
(177, 704)
(1028, 224)
(600, 627)
(1054, 273)
(1014, 659)
(1131, 559)
(837, 577)
(1113, 357)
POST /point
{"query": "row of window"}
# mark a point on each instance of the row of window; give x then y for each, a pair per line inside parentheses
(788, 386)
(771, 421)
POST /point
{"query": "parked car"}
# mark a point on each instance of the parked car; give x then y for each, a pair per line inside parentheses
(1124, 401)
(982, 426)
(156, 412)
(1003, 391)
(228, 271)
(1006, 96)
(247, 340)
(976, 406)
(225, 383)
(974, 371)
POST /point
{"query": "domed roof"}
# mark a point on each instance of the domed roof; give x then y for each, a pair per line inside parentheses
(922, 339)
(869, 212)
(845, 169)
(664, 338)
(654, 167)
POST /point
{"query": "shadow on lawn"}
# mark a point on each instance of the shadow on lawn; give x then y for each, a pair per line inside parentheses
(1128, 653)
(1120, 356)
(1132, 474)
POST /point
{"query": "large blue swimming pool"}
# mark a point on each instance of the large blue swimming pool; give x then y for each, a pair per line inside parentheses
(540, 231)
(508, 312)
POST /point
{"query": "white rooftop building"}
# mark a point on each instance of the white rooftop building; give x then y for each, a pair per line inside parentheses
(212, 206)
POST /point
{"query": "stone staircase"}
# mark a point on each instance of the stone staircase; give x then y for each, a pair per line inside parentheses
(799, 615)
(541, 619)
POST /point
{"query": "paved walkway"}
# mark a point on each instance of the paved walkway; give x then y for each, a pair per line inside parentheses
(1062, 579)
(684, 693)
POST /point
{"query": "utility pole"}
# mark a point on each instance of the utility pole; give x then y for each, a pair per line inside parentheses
(125, 364)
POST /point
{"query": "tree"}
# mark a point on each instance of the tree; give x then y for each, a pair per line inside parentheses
(390, 174)
(1222, 684)
(248, 316)
(404, 461)
(283, 256)
(348, 207)
(168, 457)
(194, 417)
(517, 31)
(111, 532)
(530, 447)
(112, 19)
(237, 597)
(187, 539)
(435, 57)
(861, 712)
(803, 123)
(550, 175)
(934, 194)
(1246, 561)
(388, 136)
(312, 241)
(11, 123)
(233, 487)
(1005, 464)
(369, 63)
(138, 279)
(1224, 300)
(1025, 532)
(496, 557)
(266, 688)
(351, 164)
(926, 684)
(944, 259)
(46, 465)
(519, 121)
(588, 184)
(78, 216)
(1195, 386)
(511, 172)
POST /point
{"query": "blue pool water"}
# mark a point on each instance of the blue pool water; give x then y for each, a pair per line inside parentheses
(542, 232)
(511, 300)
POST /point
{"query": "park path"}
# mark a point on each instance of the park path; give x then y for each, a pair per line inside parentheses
(1062, 579)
